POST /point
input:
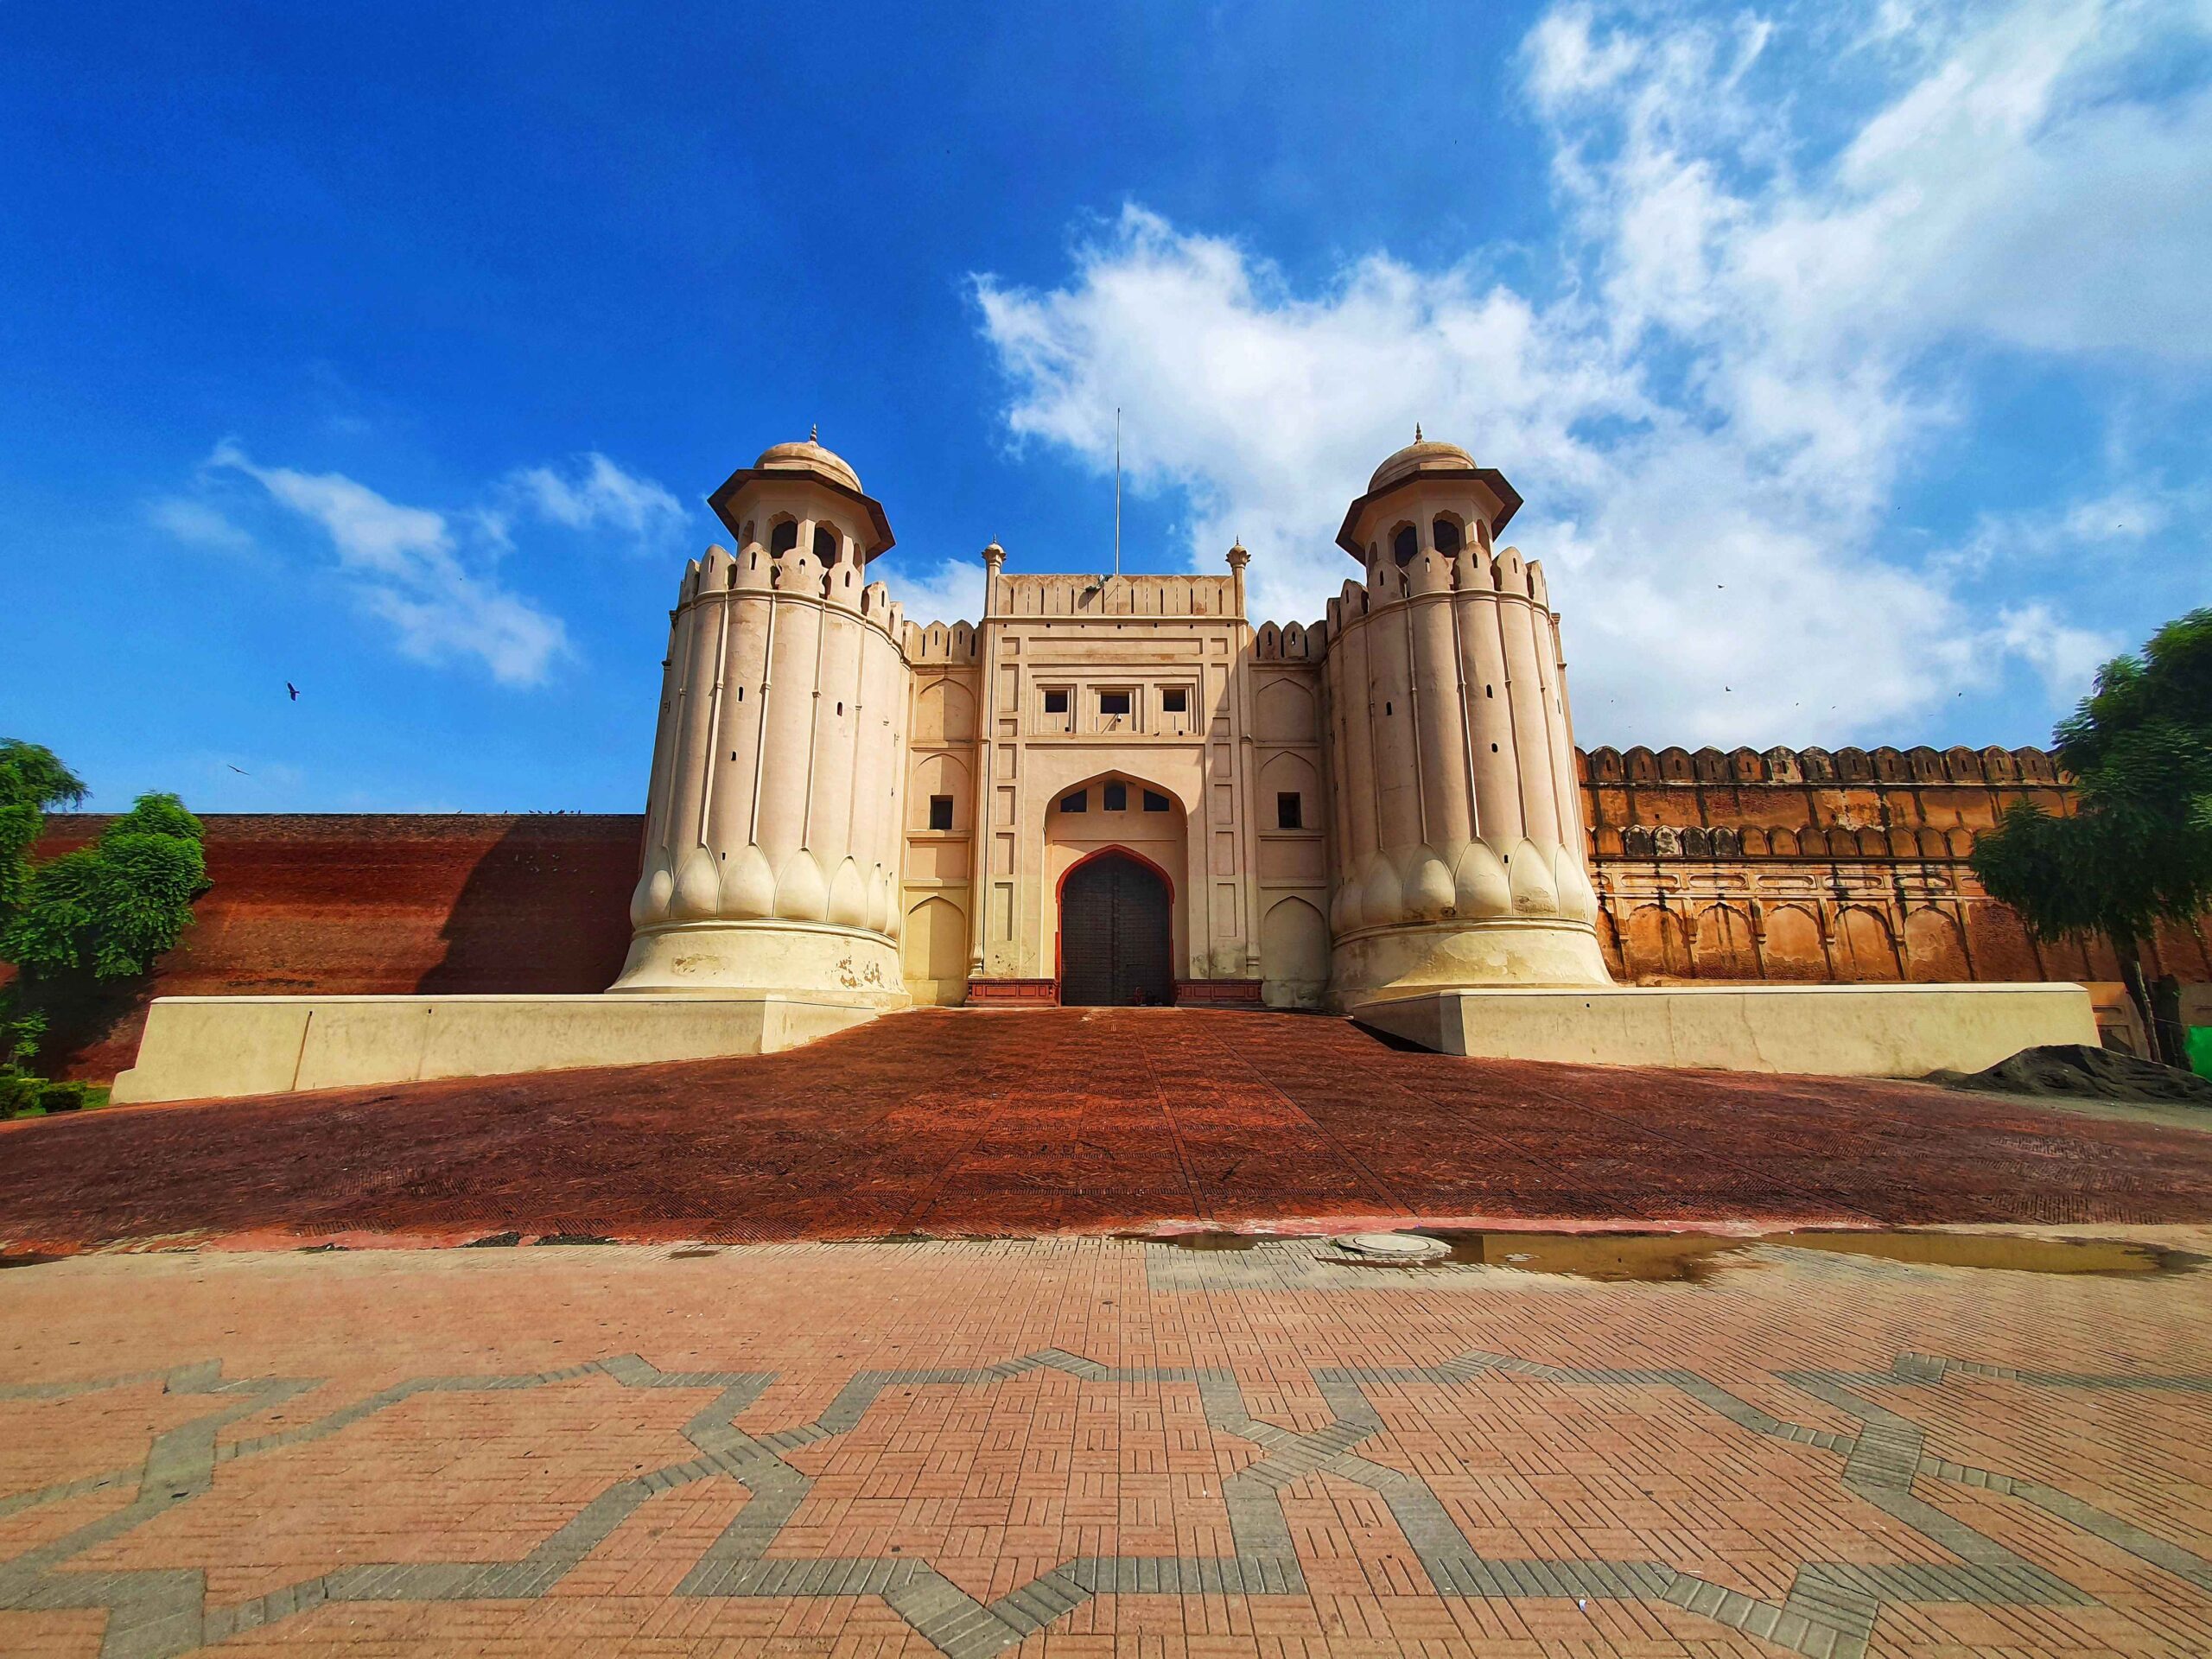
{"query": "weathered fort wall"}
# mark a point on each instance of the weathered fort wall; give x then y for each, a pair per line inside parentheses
(1790, 864)
(1809, 864)
(363, 903)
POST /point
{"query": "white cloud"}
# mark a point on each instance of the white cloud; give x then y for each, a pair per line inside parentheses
(2068, 658)
(600, 495)
(1712, 416)
(406, 565)
(950, 592)
(196, 525)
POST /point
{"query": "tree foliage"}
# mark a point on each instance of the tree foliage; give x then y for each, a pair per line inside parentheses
(108, 910)
(101, 912)
(32, 780)
(2138, 850)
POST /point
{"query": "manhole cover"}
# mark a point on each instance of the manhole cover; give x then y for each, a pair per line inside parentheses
(1393, 1246)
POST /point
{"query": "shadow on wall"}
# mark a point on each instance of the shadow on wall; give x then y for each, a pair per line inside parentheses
(538, 913)
(372, 904)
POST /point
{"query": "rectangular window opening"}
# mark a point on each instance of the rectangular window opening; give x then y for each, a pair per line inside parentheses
(1174, 701)
(1113, 703)
(1154, 801)
(940, 811)
(1056, 702)
(1117, 797)
(1078, 802)
(1289, 810)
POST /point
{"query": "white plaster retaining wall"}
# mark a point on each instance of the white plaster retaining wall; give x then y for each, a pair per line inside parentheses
(203, 1047)
(1877, 1031)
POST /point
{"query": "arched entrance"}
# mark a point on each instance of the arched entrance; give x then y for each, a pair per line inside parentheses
(1117, 933)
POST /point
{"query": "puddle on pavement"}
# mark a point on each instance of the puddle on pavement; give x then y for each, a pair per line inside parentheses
(1692, 1258)
(2012, 1252)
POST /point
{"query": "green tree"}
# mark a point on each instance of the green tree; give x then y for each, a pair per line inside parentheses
(2138, 850)
(102, 912)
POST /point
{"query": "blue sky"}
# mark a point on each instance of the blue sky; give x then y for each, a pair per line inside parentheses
(1855, 361)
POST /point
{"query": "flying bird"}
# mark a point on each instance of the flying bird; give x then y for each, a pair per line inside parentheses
(294, 690)
(241, 771)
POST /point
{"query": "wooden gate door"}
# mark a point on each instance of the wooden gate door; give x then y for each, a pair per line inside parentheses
(1115, 935)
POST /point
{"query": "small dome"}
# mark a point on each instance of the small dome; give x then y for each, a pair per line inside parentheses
(807, 456)
(1422, 455)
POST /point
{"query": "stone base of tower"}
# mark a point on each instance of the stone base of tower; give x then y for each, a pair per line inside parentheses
(808, 961)
(1877, 1031)
(1388, 960)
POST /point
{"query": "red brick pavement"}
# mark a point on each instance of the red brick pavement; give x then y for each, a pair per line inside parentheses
(956, 1123)
(383, 1418)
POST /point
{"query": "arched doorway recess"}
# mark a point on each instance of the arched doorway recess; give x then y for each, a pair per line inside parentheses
(1117, 933)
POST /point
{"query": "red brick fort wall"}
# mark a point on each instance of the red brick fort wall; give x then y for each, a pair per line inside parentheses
(1790, 864)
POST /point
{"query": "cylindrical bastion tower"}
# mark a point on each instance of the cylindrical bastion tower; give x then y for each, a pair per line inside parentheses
(1461, 856)
(773, 827)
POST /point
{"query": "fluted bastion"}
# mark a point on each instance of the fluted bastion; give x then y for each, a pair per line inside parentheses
(773, 827)
(1462, 858)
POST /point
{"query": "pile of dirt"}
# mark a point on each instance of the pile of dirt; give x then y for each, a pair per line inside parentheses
(2079, 1071)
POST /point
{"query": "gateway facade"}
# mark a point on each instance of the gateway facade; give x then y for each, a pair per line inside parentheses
(1113, 789)
(1107, 790)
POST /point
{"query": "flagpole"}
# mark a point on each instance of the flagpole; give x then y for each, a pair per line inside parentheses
(1118, 492)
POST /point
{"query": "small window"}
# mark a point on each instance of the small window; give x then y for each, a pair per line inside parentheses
(783, 538)
(1056, 702)
(1117, 797)
(940, 811)
(1289, 813)
(1113, 703)
(1446, 533)
(1078, 802)
(1154, 801)
(1174, 701)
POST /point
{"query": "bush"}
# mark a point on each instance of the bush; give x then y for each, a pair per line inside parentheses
(62, 1097)
(18, 1093)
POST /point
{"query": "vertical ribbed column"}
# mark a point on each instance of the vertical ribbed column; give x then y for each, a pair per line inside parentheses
(1578, 899)
(1356, 747)
(787, 738)
(1535, 890)
(698, 882)
(893, 828)
(1440, 733)
(836, 751)
(748, 885)
(655, 876)
(1489, 712)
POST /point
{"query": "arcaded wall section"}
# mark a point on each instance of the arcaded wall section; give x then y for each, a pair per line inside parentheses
(1806, 864)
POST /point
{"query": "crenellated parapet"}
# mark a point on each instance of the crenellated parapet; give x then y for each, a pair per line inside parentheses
(1462, 857)
(1959, 765)
(774, 829)
(940, 642)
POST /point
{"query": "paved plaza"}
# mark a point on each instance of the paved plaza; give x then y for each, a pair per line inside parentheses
(1102, 1447)
(836, 1353)
(958, 1124)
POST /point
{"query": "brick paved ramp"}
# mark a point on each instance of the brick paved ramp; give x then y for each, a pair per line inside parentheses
(987, 1124)
(1084, 1447)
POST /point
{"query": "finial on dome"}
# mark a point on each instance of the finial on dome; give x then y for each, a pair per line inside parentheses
(814, 433)
(1416, 431)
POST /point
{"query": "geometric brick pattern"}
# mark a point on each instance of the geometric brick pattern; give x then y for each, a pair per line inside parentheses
(1285, 1429)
